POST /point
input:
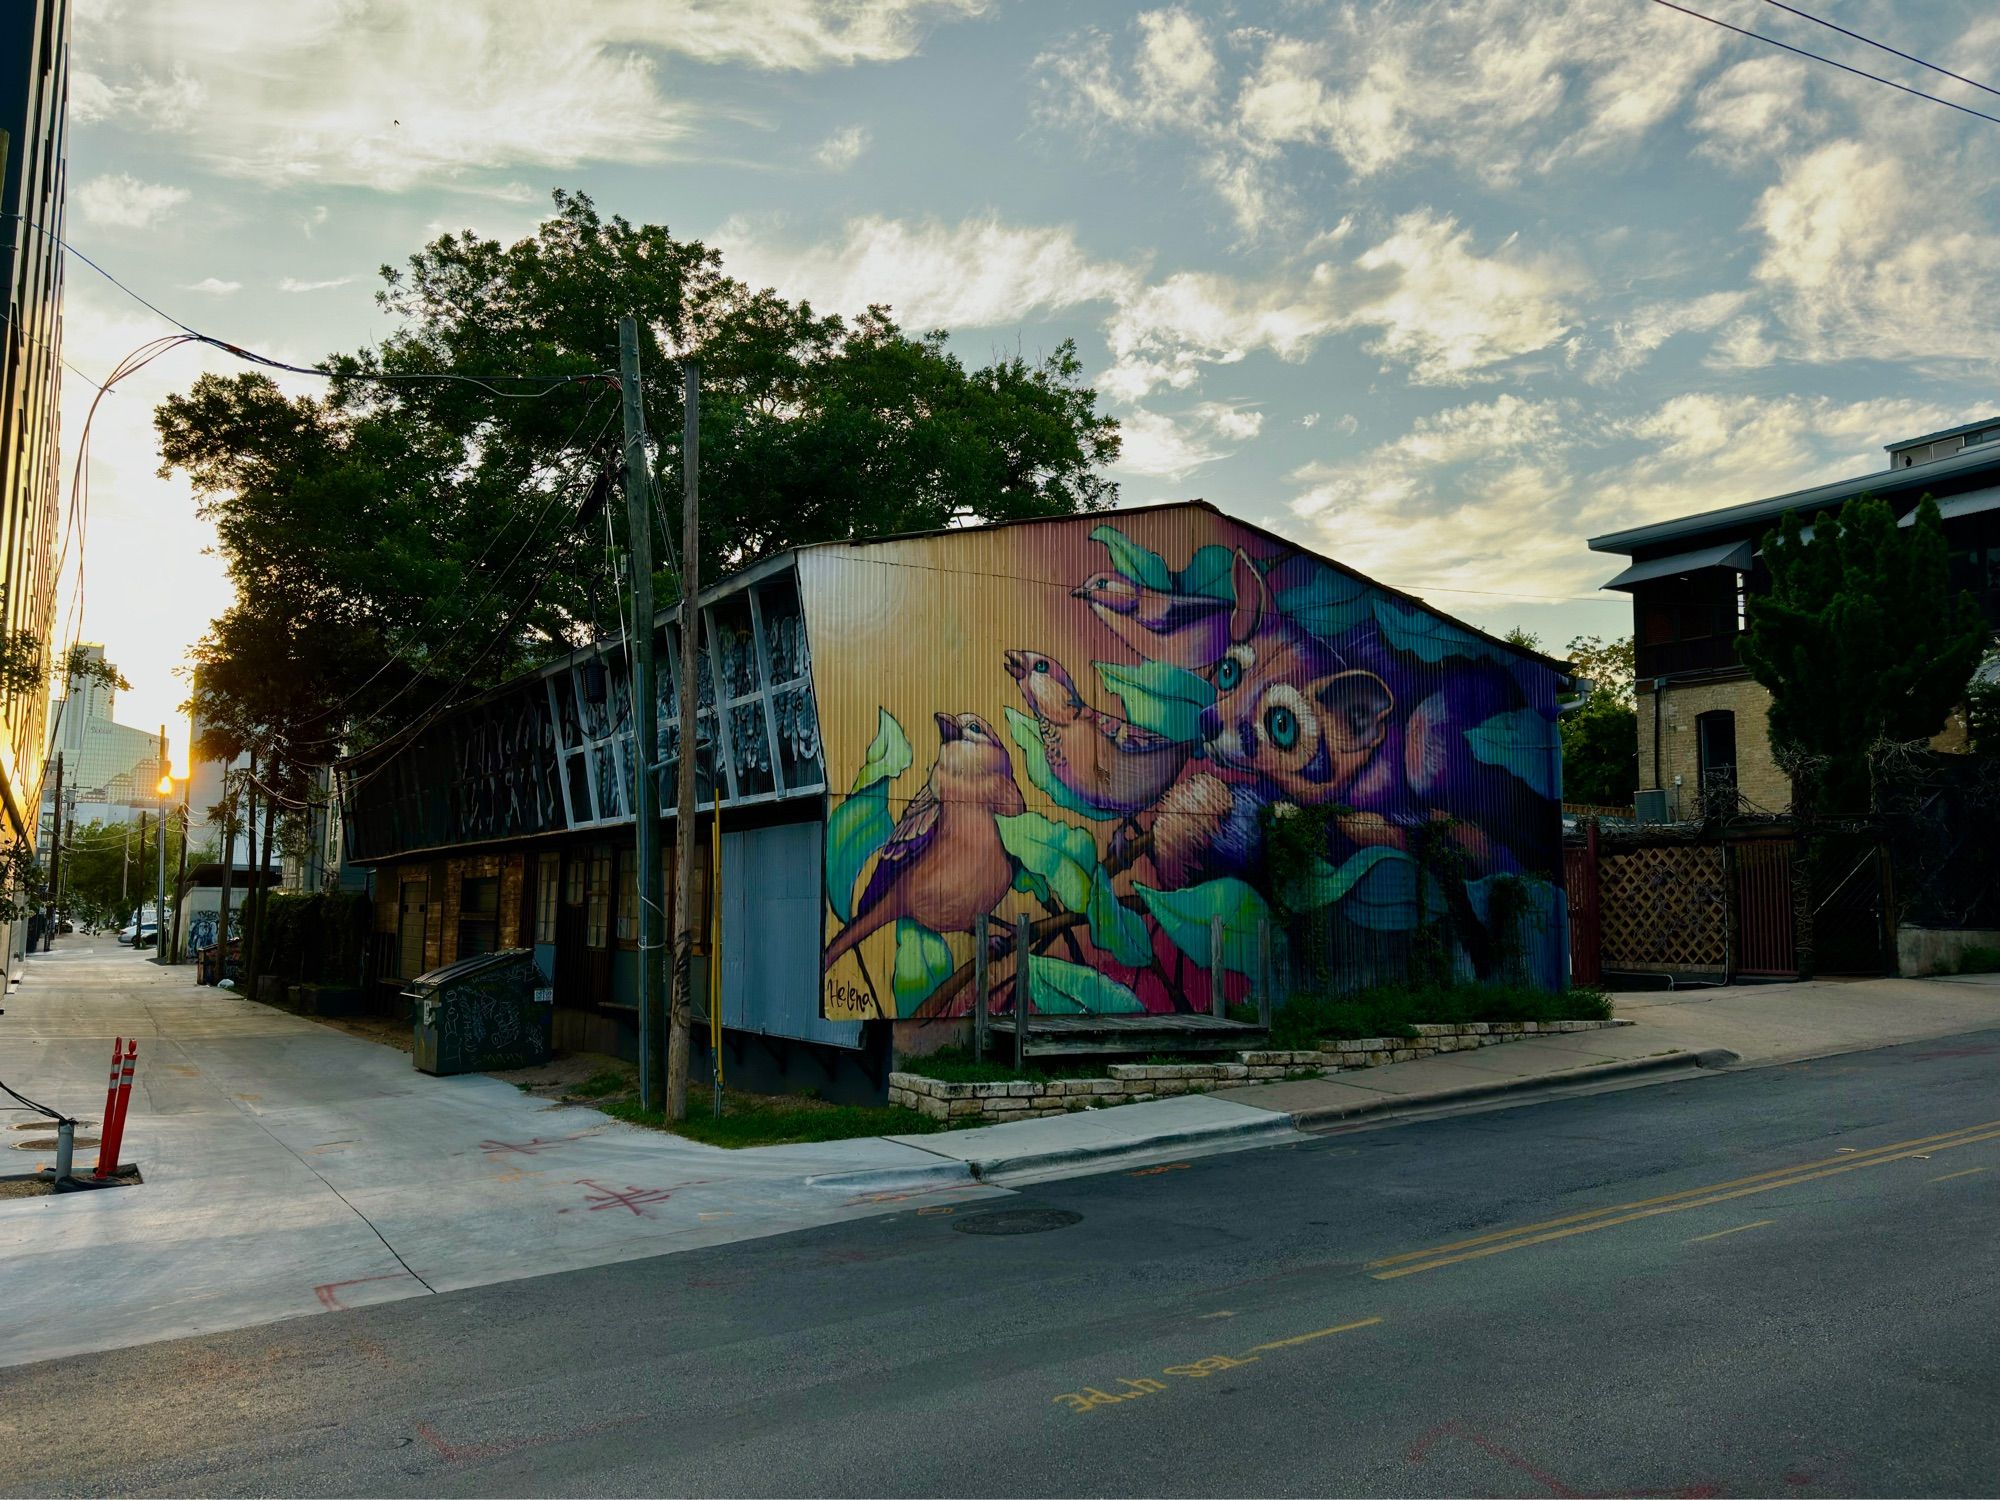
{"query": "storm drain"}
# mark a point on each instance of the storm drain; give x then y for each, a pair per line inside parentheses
(1017, 1221)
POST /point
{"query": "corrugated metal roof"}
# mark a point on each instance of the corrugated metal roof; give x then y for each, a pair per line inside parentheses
(1960, 471)
(1971, 503)
(1948, 432)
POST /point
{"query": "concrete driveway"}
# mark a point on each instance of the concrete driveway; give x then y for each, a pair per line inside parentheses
(290, 1168)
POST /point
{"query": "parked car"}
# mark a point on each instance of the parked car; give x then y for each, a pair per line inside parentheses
(144, 935)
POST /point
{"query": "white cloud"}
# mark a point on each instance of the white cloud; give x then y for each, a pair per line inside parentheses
(1159, 445)
(395, 93)
(842, 149)
(1754, 112)
(294, 284)
(1637, 336)
(119, 201)
(1864, 256)
(979, 273)
(216, 286)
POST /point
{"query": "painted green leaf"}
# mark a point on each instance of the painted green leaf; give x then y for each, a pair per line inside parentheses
(1322, 884)
(1431, 639)
(1328, 603)
(1541, 934)
(1060, 855)
(1115, 927)
(1035, 758)
(923, 962)
(1159, 696)
(1382, 894)
(1140, 564)
(855, 829)
(1208, 572)
(888, 756)
(1523, 742)
(1057, 987)
(1184, 916)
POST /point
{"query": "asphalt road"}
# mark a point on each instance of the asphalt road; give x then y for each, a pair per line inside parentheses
(1776, 1282)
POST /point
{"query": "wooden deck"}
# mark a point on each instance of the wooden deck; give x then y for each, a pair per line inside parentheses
(1126, 1036)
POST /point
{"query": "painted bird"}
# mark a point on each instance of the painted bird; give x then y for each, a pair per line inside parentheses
(1188, 630)
(944, 863)
(1108, 762)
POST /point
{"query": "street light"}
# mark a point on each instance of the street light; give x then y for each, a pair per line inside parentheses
(165, 789)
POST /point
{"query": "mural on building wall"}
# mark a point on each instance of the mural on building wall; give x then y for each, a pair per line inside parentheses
(1095, 724)
(203, 923)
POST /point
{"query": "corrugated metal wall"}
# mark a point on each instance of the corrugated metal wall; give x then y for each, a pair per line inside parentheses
(1087, 721)
(770, 935)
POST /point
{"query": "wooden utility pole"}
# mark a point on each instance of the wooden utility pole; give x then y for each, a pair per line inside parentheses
(653, 1068)
(680, 1040)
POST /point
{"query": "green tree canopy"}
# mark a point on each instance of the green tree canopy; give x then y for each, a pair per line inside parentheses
(401, 537)
(1860, 639)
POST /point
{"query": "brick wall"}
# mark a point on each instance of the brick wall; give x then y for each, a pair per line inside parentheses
(1757, 775)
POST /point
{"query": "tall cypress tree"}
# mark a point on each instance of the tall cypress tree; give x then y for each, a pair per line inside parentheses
(1860, 639)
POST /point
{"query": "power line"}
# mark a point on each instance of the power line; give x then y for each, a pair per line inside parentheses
(1805, 15)
(1759, 36)
(549, 381)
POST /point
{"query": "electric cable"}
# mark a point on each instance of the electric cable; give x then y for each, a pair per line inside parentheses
(1904, 88)
(1806, 15)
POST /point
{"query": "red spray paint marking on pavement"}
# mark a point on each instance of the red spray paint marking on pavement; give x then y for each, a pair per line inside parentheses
(628, 1197)
(325, 1290)
(526, 1148)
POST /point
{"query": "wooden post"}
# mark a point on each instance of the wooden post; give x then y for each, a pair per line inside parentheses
(1215, 997)
(981, 929)
(1265, 978)
(1021, 1006)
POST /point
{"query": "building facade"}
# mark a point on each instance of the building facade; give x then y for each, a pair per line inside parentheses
(34, 89)
(1704, 736)
(1089, 723)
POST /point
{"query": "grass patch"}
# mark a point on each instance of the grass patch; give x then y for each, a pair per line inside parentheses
(955, 1065)
(1396, 1010)
(764, 1120)
(1977, 960)
(604, 1083)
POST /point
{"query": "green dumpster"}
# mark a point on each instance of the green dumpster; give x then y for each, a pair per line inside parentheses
(490, 1011)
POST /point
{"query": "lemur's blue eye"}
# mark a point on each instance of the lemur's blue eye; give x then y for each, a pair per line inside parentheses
(1282, 726)
(1229, 674)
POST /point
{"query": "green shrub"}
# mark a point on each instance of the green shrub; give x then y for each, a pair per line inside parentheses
(1979, 960)
(315, 939)
(1302, 1022)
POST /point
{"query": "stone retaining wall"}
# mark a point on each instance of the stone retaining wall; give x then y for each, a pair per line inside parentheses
(1130, 1083)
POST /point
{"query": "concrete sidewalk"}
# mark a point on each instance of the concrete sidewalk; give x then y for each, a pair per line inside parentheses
(291, 1168)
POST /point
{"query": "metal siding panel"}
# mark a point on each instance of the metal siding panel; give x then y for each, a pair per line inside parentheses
(770, 935)
(905, 629)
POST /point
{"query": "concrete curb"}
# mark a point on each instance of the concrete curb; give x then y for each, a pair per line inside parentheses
(1246, 1131)
(1708, 1057)
(894, 1179)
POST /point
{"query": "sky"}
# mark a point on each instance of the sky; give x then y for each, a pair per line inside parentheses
(1439, 288)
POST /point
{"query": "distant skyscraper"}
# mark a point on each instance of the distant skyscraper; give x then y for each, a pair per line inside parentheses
(34, 97)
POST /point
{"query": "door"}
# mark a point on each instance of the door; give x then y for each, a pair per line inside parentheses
(412, 909)
(572, 964)
(1715, 755)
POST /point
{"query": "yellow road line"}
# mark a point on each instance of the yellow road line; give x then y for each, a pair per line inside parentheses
(1307, 1338)
(1850, 1164)
(1966, 1173)
(1847, 1157)
(1698, 1239)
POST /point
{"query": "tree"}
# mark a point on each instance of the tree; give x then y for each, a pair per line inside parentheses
(1860, 639)
(407, 537)
(102, 876)
(1600, 740)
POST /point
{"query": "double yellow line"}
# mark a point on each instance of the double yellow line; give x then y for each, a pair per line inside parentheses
(1410, 1262)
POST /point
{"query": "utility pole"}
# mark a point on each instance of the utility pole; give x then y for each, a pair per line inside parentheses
(160, 908)
(55, 842)
(680, 1039)
(125, 870)
(180, 882)
(142, 875)
(645, 727)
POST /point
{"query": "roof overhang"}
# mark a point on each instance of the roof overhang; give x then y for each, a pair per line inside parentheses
(1970, 503)
(1735, 555)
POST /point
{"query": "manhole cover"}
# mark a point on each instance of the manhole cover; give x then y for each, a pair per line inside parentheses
(1017, 1221)
(49, 1143)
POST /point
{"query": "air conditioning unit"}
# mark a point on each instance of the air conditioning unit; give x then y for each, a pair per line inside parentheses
(1650, 806)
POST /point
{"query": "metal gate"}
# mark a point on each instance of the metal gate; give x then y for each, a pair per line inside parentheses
(1851, 910)
(1766, 928)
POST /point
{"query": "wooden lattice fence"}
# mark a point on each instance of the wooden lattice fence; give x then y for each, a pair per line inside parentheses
(1665, 908)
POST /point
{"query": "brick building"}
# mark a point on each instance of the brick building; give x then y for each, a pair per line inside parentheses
(1702, 719)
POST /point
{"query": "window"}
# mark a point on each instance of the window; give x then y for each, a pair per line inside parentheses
(573, 891)
(627, 919)
(1715, 749)
(478, 915)
(548, 885)
(597, 897)
(700, 887)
